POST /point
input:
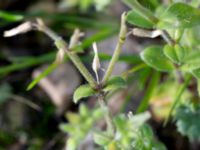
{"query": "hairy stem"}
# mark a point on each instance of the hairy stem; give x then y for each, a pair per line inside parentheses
(108, 117)
(61, 44)
(122, 37)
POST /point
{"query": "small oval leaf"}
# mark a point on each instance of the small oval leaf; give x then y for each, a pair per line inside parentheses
(154, 57)
(180, 15)
(180, 52)
(196, 73)
(134, 18)
(82, 92)
(175, 53)
(101, 138)
(114, 83)
(170, 53)
(192, 61)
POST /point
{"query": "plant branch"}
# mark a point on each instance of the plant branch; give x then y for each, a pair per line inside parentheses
(179, 94)
(108, 117)
(165, 35)
(59, 42)
(121, 40)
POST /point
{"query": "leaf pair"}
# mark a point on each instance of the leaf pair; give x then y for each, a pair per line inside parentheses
(177, 15)
(86, 90)
(192, 63)
(155, 57)
(175, 53)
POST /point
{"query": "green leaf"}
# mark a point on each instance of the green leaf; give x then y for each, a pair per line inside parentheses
(175, 53)
(192, 61)
(73, 118)
(188, 120)
(42, 75)
(180, 52)
(10, 17)
(85, 4)
(190, 66)
(154, 57)
(192, 56)
(180, 15)
(101, 138)
(169, 52)
(196, 73)
(82, 92)
(147, 131)
(83, 111)
(141, 12)
(115, 83)
(67, 128)
(72, 144)
(134, 18)
(139, 119)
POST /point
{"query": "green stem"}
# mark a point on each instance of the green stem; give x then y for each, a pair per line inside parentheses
(134, 69)
(122, 37)
(178, 97)
(108, 117)
(61, 44)
(81, 67)
(152, 85)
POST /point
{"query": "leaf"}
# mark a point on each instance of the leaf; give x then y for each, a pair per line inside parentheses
(175, 53)
(196, 73)
(82, 92)
(146, 131)
(41, 76)
(134, 18)
(83, 111)
(154, 57)
(67, 128)
(180, 15)
(139, 119)
(73, 118)
(112, 146)
(169, 52)
(192, 56)
(72, 144)
(192, 61)
(141, 12)
(188, 120)
(180, 52)
(10, 17)
(190, 66)
(114, 83)
(85, 4)
(101, 138)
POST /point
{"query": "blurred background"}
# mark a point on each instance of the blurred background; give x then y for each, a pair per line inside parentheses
(29, 120)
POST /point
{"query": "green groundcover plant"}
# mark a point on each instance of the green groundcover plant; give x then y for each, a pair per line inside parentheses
(176, 60)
